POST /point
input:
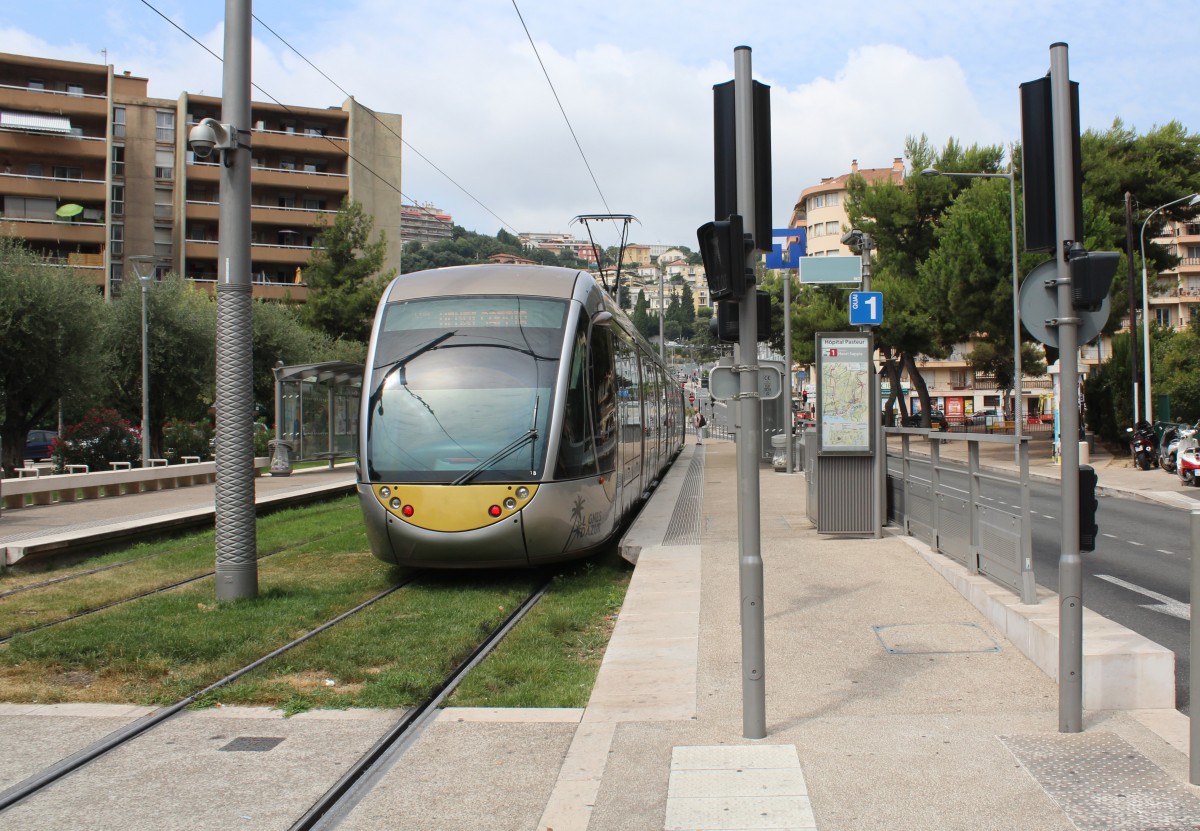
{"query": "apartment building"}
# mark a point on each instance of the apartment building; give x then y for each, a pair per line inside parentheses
(425, 223)
(821, 209)
(1174, 296)
(93, 172)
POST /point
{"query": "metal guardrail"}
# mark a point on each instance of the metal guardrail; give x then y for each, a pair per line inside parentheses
(991, 538)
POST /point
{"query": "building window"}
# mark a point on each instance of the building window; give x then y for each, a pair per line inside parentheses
(164, 125)
(287, 200)
(61, 172)
(74, 89)
(1163, 316)
(34, 169)
(832, 227)
(164, 164)
(162, 241)
(118, 160)
(816, 202)
(118, 122)
(287, 164)
(314, 204)
(831, 199)
(117, 239)
(117, 205)
(37, 83)
(163, 203)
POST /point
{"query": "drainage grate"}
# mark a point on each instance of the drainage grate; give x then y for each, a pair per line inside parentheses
(1102, 782)
(684, 528)
(934, 638)
(253, 744)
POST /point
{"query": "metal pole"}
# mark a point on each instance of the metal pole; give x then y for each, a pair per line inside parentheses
(879, 463)
(1194, 654)
(1018, 368)
(145, 376)
(750, 571)
(236, 541)
(787, 367)
(1133, 367)
(662, 311)
(1070, 573)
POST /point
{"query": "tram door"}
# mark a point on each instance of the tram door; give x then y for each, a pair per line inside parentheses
(630, 408)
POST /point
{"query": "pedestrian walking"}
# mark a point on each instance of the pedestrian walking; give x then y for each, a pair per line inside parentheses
(701, 424)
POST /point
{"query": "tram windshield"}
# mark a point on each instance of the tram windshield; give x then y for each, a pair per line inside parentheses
(462, 389)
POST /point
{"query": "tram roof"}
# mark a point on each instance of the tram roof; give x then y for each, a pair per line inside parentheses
(534, 280)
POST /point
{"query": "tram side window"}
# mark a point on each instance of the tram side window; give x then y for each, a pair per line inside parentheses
(576, 452)
(604, 397)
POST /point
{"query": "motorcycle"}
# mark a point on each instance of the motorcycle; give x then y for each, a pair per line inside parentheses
(1180, 435)
(1188, 459)
(1142, 445)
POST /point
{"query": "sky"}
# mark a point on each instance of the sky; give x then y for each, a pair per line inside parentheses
(849, 81)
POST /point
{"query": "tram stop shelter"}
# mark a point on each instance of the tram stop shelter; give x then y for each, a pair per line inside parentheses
(316, 412)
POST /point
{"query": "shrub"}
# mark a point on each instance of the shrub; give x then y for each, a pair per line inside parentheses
(187, 438)
(102, 437)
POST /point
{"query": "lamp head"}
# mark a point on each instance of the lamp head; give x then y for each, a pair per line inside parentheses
(931, 171)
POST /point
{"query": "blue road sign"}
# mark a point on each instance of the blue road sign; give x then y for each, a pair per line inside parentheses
(866, 308)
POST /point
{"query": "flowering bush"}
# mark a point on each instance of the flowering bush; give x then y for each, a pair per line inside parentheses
(187, 438)
(102, 437)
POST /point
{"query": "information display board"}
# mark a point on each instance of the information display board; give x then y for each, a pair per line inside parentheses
(846, 417)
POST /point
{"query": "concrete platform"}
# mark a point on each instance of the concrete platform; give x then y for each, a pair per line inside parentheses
(899, 696)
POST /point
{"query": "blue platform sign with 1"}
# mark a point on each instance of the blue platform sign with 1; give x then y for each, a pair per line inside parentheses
(866, 308)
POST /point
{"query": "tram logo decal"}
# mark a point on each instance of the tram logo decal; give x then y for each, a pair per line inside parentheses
(584, 524)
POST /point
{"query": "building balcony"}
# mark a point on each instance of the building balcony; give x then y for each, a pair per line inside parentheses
(54, 101)
(289, 180)
(279, 142)
(73, 190)
(259, 289)
(56, 231)
(267, 255)
(87, 267)
(265, 215)
(43, 145)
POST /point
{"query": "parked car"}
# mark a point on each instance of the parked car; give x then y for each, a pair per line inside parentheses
(936, 419)
(983, 418)
(38, 443)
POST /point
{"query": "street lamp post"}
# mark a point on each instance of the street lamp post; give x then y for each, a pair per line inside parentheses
(1195, 198)
(143, 267)
(1018, 371)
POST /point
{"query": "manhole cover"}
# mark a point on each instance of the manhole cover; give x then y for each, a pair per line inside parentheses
(933, 638)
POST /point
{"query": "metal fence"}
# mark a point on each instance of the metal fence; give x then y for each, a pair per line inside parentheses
(990, 537)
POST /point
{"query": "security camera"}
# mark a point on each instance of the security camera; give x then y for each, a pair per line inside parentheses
(202, 139)
(209, 135)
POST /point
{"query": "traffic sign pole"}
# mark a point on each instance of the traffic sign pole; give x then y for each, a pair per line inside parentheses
(1070, 572)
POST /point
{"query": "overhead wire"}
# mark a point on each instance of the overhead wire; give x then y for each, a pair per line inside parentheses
(561, 109)
(340, 149)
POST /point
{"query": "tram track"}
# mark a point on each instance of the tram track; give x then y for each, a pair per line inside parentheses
(45, 778)
(359, 780)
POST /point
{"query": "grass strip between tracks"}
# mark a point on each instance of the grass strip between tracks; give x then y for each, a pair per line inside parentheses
(161, 648)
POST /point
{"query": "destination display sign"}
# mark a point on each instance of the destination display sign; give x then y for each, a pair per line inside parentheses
(844, 413)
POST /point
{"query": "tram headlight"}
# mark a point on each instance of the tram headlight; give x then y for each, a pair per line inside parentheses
(385, 492)
(395, 503)
(510, 503)
(522, 493)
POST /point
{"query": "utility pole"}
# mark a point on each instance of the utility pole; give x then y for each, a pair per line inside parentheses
(236, 537)
(750, 570)
(1133, 352)
(1070, 572)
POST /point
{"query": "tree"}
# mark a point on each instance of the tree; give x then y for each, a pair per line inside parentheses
(344, 275)
(641, 318)
(48, 324)
(279, 335)
(182, 323)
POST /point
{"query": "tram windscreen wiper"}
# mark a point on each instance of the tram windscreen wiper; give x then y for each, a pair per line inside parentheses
(517, 443)
(399, 364)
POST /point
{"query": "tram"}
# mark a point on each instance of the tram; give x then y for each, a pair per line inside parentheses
(511, 416)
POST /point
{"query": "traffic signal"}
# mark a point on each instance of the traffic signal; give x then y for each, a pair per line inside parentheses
(1087, 508)
(1091, 276)
(1037, 165)
(724, 248)
(725, 327)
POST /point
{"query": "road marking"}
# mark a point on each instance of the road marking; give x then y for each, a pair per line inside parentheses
(1110, 536)
(1135, 542)
(1165, 605)
(1047, 516)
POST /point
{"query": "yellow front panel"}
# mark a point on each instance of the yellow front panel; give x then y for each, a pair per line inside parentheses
(452, 508)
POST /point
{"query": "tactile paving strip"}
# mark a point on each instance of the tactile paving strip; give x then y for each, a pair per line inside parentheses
(684, 527)
(1102, 782)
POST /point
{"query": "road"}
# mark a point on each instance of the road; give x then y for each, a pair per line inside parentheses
(1139, 575)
